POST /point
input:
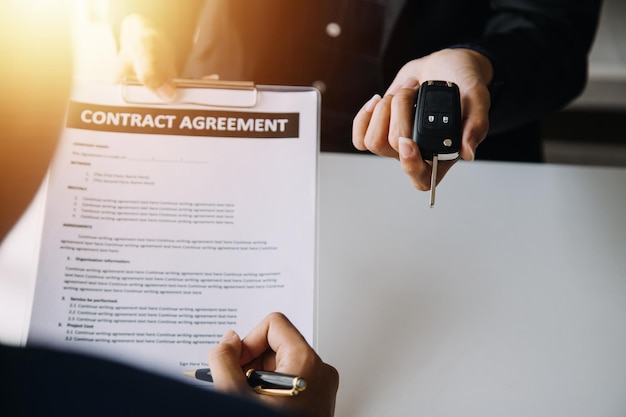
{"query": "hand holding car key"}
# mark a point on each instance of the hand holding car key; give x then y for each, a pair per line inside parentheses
(437, 125)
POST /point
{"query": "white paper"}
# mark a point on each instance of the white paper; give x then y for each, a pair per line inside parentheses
(155, 244)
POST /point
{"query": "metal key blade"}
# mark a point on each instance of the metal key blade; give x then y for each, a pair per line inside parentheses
(433, 180)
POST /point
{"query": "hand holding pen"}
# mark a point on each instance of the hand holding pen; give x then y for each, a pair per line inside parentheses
(275, 345)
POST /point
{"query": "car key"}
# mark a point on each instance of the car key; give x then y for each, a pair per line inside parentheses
(437, 125)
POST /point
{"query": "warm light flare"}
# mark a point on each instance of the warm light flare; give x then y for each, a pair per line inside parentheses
(36, 32)
(36, 52)
(35, 75)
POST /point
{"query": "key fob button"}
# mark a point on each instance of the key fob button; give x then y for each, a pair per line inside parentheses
(430, 121)
(445, 121)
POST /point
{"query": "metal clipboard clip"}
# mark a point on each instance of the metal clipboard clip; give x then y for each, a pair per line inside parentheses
(210, 93)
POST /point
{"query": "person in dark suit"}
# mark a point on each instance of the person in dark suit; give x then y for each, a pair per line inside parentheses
(35, 73)
(514, 61)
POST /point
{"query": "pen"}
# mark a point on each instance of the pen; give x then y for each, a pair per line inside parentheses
(263, 382)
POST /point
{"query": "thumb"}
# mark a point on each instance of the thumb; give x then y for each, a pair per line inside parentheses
(224, 361)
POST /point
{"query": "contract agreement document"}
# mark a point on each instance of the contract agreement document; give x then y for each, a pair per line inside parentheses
(167, 224)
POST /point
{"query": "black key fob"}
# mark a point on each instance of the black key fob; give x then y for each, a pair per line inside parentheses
(437, 125)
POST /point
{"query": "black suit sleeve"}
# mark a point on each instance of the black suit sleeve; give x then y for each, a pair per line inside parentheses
(539, 49)
(41, 382)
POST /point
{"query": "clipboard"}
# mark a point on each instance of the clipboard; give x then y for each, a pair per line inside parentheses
(167, 224)
(218, 93)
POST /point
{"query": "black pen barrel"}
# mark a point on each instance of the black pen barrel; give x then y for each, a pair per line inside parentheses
(274, 380)
(263, 379)
(204, 375)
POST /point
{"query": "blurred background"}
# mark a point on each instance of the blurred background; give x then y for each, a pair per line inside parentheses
(590, 131)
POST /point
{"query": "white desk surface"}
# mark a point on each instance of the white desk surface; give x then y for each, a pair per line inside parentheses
(508, 298)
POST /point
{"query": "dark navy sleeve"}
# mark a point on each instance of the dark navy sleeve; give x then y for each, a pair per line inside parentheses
(539, 49)
(42, 382)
